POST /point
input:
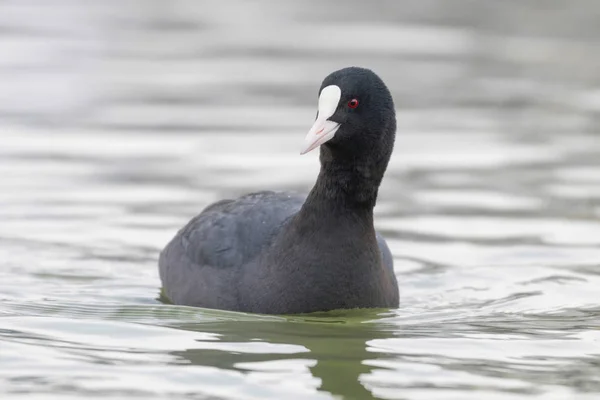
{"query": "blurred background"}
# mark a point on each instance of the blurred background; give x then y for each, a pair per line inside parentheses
(120, 120)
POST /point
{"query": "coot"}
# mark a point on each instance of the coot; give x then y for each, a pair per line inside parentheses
(281, 253)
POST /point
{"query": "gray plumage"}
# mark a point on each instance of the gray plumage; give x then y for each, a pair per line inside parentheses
(214, 261)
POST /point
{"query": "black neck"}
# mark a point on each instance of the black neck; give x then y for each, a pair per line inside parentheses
(344, 186)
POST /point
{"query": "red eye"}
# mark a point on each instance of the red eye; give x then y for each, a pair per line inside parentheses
(353, 103)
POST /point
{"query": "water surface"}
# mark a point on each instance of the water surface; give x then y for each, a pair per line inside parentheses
(117, 128)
